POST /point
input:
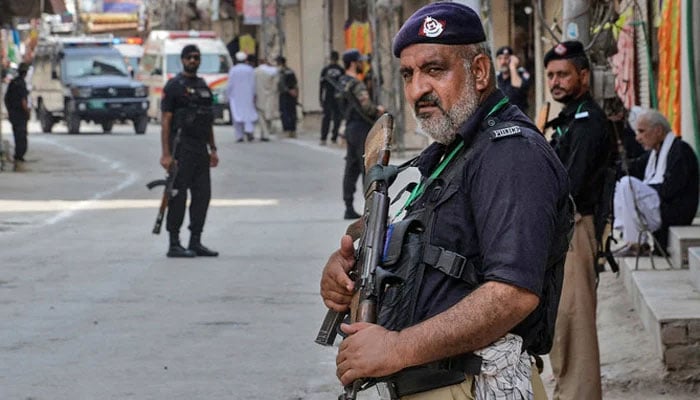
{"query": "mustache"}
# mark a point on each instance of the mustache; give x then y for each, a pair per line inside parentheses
(430, 100)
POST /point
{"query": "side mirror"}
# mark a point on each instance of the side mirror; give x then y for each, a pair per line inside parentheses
(54, 75)
(157, 71)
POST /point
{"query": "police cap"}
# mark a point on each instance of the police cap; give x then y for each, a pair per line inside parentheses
(440, 23)
(353, 55)
(507, 50)
(565, 50)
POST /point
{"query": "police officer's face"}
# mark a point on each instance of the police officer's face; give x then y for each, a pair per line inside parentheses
(503, 62)
(648, 135)
(442, 88)
(565, 83)
(190, 62)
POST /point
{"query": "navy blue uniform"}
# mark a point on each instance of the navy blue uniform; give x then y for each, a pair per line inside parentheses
(502, 208)
(190, 100)
(517, 96)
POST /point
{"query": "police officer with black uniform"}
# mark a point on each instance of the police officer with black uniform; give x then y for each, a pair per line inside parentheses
(330, 74)
(481, 246)
(361, 113)
(187, 129)
(16, 102)
(513, 80)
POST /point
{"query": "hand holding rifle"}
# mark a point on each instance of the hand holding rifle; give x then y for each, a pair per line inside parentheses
(355, 281)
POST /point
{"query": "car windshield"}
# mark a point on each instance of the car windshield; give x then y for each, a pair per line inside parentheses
(94, 65)
(211, 64)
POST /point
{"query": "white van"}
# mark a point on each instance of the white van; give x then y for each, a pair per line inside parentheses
(161, 62)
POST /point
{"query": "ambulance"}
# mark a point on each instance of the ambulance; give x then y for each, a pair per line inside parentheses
(161, 62)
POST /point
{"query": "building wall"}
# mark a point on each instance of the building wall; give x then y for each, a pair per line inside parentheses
(312, 57)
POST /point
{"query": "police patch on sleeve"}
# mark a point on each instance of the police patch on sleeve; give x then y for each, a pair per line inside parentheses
(502, 131)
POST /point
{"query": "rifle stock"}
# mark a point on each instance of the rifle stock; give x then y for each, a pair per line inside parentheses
(168, 189)
(542, 117)
(368, 285)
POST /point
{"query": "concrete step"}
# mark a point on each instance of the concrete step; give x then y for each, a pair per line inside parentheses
(679, 239)
(669, 307)
(694, 266)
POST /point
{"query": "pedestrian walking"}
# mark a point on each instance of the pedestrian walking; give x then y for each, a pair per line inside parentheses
(288, 94)
(482, 240)
(266, 97)
(240, 91)
(17, 104)
(187, 131)
(330, 76)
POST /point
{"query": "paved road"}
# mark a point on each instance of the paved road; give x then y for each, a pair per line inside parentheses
(92, 308)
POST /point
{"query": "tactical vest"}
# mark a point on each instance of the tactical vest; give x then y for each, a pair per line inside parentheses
(197, 117)
(409, 252)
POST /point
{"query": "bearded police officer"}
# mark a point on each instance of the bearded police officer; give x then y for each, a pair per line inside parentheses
(481, 246)
(583, 144)
(187, 129)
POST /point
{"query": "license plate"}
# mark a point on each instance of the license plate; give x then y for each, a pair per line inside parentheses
(115, 105)
(96, 104)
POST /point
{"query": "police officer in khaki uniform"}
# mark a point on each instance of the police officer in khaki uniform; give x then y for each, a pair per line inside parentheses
(187, 130)
(583, 143)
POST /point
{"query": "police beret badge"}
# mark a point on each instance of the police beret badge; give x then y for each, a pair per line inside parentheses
(431, 27)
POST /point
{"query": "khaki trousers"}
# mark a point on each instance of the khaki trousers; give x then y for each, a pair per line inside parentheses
(575, 358)
(465, 390)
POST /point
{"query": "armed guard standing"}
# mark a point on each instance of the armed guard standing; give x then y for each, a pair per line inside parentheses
(187, 129)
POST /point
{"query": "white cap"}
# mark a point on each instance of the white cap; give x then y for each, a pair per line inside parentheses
(241, 56)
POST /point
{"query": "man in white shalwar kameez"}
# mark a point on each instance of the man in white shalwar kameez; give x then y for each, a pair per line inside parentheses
(266, 96)
(241, 96)
(668, 193)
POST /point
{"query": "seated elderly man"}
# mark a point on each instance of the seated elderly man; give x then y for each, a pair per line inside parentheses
(667, 193)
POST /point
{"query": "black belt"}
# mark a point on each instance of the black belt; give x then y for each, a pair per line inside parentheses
(434, 375)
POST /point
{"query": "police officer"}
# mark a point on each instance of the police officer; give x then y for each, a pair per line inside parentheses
(513, 80)
(17, 105)
(187, 129)
(361, 114)
(483, 238)
(583, 144)
(330, 75)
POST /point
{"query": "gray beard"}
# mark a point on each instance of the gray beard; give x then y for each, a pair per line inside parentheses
(443, 128)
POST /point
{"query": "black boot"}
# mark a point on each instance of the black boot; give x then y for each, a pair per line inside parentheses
(176, 249)
(199, 249)
(350, 213)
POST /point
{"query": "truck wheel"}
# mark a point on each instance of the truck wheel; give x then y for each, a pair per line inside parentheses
(107, 126)
(45, 118)
(140, 124)
(73, 122)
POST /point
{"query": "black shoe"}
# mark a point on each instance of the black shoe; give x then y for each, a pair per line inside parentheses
(200, 250)
(264, 139)
(351, 214)
(249, 137)
(180, 252)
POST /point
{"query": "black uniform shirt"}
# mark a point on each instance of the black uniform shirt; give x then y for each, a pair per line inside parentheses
(332, 73)
(16, 92)
(502, 208)
(583, 144)
(190, 100)
(517, 96)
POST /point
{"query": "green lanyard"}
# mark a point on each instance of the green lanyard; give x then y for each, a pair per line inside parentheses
(418, 190)
(578, 110)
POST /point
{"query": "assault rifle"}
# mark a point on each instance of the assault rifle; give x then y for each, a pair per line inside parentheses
(168, 190)
(370, 279)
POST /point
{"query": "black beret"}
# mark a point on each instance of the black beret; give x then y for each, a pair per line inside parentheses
(190, 48)
(353, 55)
(504, 50)
(565, 50)
(440, 23)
